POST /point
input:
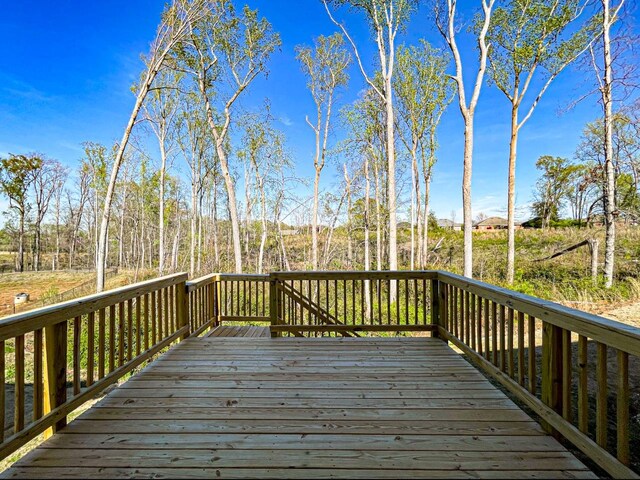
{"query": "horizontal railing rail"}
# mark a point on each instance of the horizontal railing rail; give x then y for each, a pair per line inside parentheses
(570, 367)
(316, 303)
(61, 356)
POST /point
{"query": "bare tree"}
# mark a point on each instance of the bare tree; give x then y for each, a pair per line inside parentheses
(605, 81)
(366, 140)
(196, 145)
(58, 190)
(160, 111)
(76, 213)
(531, 39)
(326, 69)
(173, 28)
(423, 92)
(226, 53)
(446, 23)
(45, 180)
(386, 18)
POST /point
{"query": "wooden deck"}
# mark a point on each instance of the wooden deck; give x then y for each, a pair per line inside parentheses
(239, 331)
(259, 407)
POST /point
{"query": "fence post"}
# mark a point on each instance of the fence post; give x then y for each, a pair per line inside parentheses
(55, 375)
(552, 369)
(435, 305)
(182, 307)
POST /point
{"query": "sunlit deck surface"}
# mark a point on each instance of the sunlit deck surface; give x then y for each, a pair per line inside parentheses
(221, 407)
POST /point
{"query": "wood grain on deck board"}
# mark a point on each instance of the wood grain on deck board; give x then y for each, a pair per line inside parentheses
(235, 407)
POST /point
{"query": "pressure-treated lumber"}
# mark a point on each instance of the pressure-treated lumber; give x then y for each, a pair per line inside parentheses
(295, 407)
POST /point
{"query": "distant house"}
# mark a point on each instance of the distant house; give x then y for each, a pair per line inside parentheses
(493, 223)
(449, 224)
(535, 222)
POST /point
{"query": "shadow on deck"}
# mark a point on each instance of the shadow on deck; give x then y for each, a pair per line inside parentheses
(304, 407)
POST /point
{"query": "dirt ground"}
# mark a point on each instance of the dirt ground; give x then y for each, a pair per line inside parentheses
(37, 285)
(629, 314)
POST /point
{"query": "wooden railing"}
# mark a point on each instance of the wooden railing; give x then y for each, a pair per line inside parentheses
(350, 302)
(202, 295)
(58, 357)
(571, 368)
(243, 298)
(219, 297)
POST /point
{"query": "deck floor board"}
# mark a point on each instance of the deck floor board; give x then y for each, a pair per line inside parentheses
(248, 406)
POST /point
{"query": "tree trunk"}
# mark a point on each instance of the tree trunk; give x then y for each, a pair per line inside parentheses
(101, 257)
(122, 217)
(226, 174)
(610, 180)
(248, 211)
(415, 209)
(37, 246)
(391, 185)
(20, 266)
(161, 235)
(233, 210)
(199, 243)
(56, 257)
(349, 238)
(216, 251)
(379, 260)
(367, 256)
(263, 237)
(511, 200)
(194, 219)
(467, 212)
(314, 221)
(593, 245)
(425, 221)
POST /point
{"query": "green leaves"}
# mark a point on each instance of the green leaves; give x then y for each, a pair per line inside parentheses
(530, 35)
(325, 65)
(16, 175)
(423, 90)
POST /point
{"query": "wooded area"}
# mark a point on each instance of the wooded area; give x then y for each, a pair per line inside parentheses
(222, 194)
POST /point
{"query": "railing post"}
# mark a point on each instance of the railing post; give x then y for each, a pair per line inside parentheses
(274, 304)
(435, 305)
(55, 375)
(182, 307)
(552, 369)
(213, 305)
(215, 294)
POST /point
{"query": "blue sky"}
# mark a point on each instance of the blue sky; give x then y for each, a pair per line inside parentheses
(66, 69)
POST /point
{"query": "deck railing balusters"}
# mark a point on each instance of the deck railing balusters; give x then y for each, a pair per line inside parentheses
(552, 394)
(73, 323)
(622, 409)
(479, 319)
(601, 396)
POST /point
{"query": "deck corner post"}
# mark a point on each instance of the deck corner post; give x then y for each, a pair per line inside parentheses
(552, 369)
(182, 307)
(55, 375)
(435, 305)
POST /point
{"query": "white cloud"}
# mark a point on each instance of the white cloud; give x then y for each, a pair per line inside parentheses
(285, 120)
(71, 146)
